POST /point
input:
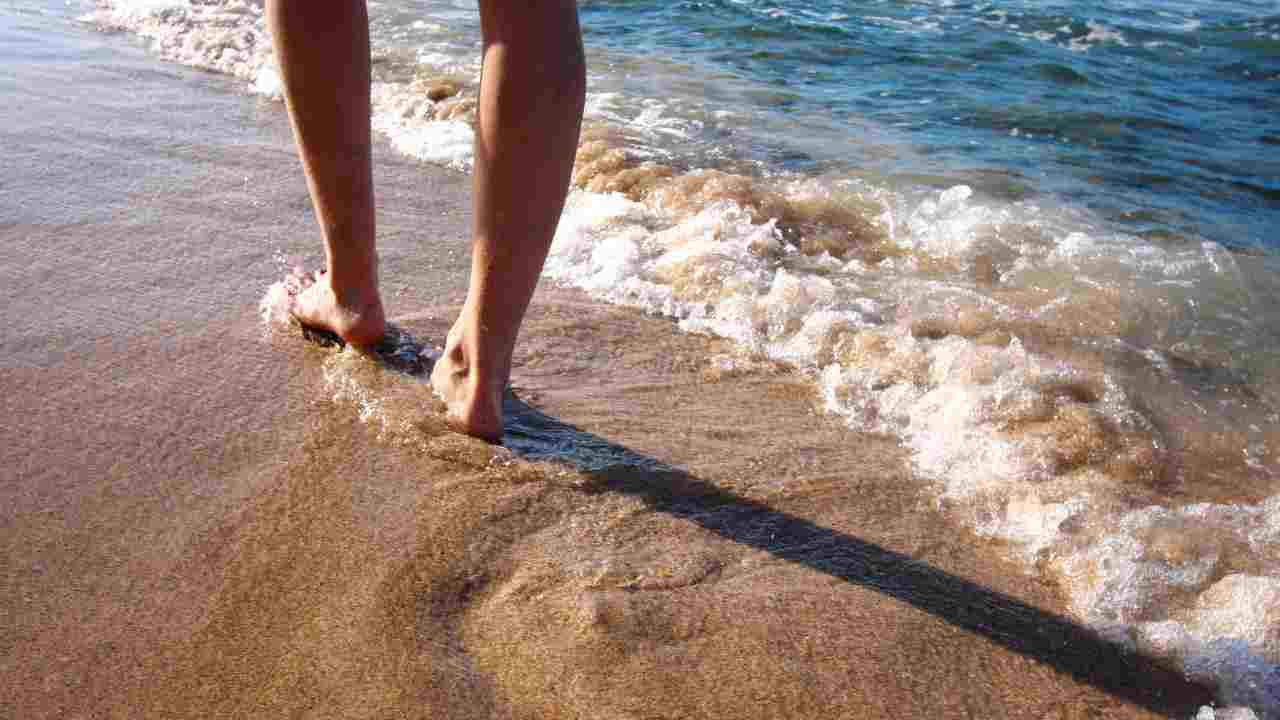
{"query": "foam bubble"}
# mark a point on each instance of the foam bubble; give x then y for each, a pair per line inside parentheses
(1227, 713)
(416, 125)
(142, 9)
(1098, 33)
(228, 37)
(1229, 633)
(277, 302)
(1240, 607)
(274, 306)
(269, 83)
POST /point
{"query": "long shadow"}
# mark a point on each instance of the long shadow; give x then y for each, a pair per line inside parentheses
(1043, 636)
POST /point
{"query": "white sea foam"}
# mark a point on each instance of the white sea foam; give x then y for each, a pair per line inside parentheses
(406, 119)
(274, 306)
(1098, 33)
(914, 26)
(445, 63)
(653, 123)
(268, 82)
(1227, 713)
(231, 37)
(228, 37)
(143, 9)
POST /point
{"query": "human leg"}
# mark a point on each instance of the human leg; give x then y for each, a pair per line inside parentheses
(323, 52)
(532, 90)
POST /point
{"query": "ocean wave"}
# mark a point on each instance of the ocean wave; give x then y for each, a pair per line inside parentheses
(226, 37)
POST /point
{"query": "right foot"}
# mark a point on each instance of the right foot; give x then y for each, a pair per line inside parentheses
(474, 402)
(358, 320)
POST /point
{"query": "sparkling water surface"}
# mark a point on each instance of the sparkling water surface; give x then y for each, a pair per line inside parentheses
(1160, 116)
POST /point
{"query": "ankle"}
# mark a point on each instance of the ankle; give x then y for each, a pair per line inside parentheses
(356, 295)
(354, 281)
(474, 355)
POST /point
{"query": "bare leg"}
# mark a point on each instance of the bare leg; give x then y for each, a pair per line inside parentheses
(323, 52)
(532, 91)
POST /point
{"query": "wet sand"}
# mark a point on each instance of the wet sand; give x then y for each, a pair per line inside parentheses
(197, 521)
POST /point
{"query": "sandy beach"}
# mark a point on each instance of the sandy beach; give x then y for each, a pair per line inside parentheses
(201, 517)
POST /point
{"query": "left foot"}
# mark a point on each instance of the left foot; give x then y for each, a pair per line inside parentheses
(356, 317)
(473, 398)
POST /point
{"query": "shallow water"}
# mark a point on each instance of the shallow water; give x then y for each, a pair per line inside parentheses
(1096, 406)
(1160, 121)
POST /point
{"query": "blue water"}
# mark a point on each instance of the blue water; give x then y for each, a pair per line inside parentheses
(1163, 118)
(1159, 119)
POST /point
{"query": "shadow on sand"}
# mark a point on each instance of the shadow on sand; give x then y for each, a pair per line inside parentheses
(1040, 635)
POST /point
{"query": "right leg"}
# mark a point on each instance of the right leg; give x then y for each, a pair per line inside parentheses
(323, 52)
(532, 91)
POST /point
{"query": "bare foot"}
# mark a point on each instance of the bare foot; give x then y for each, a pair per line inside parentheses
(357, 320)
(474, 402)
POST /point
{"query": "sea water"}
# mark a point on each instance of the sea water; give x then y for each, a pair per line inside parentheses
(1036, 243)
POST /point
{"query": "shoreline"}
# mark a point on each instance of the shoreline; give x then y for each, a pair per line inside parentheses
(218, 536)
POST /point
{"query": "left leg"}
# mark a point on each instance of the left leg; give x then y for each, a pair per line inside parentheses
(532, 89)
